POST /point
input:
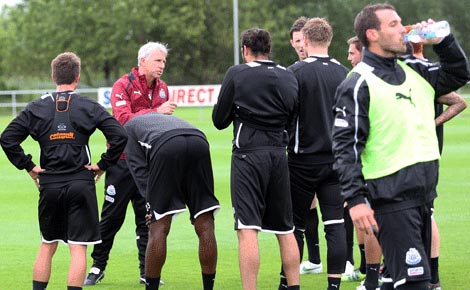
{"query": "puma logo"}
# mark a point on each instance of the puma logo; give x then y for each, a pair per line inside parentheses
(342, 110)
(402, 96)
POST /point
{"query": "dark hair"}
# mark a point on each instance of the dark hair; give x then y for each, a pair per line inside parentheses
(367, 19)
(318, 30)
(355, 40)
(65, 68)
(298, 25)
(257, 40)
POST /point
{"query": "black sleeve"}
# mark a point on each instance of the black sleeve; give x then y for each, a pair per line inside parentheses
(115, 134)
(136, 161)
(12, 137)
(350, 132)
(222, 114)
(451, 73)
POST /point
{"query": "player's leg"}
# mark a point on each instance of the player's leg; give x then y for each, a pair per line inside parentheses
(43, 264)
(119, 186)
(204, 227)
(373, 256)
(202, 204)
(248, 257)
(332, 209)
(155, 255)
(434, 261)
(290, 258)
(405, 236)
(77, 267)
(141, 229)
(313, 265)
(349, 227)
(302, 197)
(51, 225)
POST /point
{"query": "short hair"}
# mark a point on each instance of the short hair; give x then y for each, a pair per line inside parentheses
(318, 30)
(367, 19)
(355, 40)
(298, 25)
(257, 40)
(65, 68)
(148, 48)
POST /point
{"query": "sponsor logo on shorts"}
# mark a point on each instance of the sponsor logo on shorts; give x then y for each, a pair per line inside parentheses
(418, 271)
(412, 257)
(109, 198)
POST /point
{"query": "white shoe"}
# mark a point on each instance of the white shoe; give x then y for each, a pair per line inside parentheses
(348, 269)
(310, 268)
(362, 287)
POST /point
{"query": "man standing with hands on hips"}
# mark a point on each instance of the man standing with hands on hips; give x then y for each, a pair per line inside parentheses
(138, 92)
(62, 123)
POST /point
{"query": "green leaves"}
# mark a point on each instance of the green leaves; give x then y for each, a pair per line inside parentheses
(107, 34)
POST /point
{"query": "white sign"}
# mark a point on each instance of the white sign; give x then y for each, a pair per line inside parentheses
(183, 96)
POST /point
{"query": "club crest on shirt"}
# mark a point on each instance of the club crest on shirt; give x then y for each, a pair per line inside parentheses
(162, 94)
(412, 257)
(111, 190)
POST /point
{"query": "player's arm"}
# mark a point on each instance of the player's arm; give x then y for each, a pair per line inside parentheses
(135, 158)
(121, 103)
(350, 132)
(222, 114)
(12, 137)
(116, 137)
(455, 104)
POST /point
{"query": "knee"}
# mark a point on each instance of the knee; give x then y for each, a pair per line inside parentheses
(204, 225)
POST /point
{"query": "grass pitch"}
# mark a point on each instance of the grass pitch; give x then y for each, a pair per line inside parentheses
(20, 239)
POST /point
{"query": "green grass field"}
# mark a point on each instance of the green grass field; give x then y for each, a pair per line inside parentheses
(20, 239)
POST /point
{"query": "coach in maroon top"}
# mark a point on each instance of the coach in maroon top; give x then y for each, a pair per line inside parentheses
(138, 92)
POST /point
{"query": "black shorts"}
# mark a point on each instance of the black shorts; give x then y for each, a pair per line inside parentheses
(68, 212)
(180, 174)
(405, 238)
(307, 180)
(261, 191)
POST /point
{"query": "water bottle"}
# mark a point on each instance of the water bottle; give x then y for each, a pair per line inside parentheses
(438, 29)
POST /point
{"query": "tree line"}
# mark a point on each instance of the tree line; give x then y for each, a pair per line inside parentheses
(107, 34)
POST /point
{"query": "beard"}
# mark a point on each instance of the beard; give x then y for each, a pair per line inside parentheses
(394, 48)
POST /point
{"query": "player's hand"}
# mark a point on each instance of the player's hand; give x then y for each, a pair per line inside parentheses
(96, 171)
(34, 173)
(363, 218)
(424, 24)
(167, 108)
